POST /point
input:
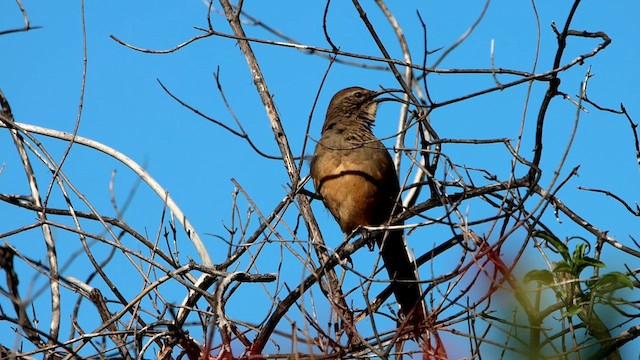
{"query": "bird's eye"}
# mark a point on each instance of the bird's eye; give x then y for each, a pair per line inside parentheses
(358, 94)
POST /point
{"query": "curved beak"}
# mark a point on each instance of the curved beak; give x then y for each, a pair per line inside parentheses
(386, 91)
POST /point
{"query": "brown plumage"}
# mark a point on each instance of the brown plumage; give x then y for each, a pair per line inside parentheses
(356, 177)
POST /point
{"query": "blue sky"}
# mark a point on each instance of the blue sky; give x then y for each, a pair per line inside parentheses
(125, 108)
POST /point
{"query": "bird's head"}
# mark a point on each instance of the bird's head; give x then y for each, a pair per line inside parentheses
(354, 101)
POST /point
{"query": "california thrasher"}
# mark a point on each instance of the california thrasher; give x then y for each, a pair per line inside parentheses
(356, 177)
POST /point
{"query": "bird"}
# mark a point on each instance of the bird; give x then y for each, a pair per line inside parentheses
(356, 178)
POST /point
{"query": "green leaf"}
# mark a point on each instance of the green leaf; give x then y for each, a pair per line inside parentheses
(611, 281)
(581, 264)
(579, 252)
(554, 242)
(541, 276)
(563, 266)
(593, 262)
(572, 310)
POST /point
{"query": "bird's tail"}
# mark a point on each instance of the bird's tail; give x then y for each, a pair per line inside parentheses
(404, 276)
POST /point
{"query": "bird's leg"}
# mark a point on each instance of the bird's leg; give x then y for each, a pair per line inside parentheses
(369, 236)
